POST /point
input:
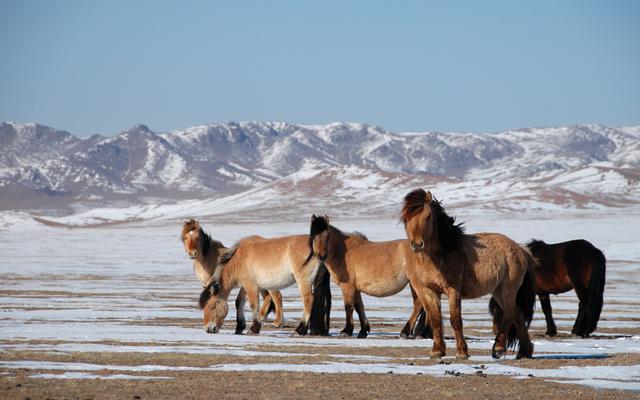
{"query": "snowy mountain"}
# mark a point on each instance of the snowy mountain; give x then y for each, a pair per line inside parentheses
(571, 166)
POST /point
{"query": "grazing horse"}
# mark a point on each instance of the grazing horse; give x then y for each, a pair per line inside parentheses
(577, 265)
(467, 266)
(257, 263)
(205, 253)
(358, 265)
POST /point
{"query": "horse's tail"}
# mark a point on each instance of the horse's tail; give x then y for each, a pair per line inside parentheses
(321, 310)
(596, 290)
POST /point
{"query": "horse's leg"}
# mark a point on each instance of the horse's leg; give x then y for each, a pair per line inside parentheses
(241, 322)
(580, 326)
(253, 295)
(431, 303)
(307, 303)
(266, 304)
(455, 317)
(365, 328)
(276, 297)
(552, 330)
(500, 344)
(348, 295)
(525, 347)
(407, 330)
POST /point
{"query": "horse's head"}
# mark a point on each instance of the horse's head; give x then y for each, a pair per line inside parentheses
(195, 240)
(319, 235)
(214, 307)
(418, 218)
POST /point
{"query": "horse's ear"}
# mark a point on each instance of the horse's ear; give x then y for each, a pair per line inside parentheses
(313, 217)
(428, 198)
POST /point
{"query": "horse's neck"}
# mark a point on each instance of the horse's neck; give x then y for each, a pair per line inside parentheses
(227, 277)
(339, 244)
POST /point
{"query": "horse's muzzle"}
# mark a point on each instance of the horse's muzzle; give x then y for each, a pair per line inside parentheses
(193, 254)
(212, 329)
(416, 248)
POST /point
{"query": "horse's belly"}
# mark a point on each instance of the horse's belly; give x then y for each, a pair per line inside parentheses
(275, 280)
(383, 287)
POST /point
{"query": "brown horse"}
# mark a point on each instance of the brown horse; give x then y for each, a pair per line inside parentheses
(205, 253)
(358, 265)
(467, 266)
(577, 265)
(257, 263)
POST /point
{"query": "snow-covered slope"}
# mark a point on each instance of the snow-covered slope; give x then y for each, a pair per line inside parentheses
(340, 163)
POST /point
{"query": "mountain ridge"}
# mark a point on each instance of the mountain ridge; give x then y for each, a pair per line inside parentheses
(46, 169)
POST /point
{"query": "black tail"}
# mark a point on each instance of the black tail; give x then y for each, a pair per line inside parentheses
(319, 322)
(596, 291)
(423, 326)
(525, 301)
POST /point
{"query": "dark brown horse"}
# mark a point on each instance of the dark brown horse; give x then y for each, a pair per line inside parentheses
(578, 265)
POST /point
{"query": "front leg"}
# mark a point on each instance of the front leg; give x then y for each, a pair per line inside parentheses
(431, 303)
(408, 329)
(365, 328)
(241, 322)
(253, 295)
(546, 309)
(455, 317)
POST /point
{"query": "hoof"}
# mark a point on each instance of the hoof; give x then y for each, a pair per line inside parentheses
(497, 352)
(344, 334)
(277, 324)
(551, 333)
(362, 335)
(210, 329)
(462, 356)
(436, 355)
(239, 331)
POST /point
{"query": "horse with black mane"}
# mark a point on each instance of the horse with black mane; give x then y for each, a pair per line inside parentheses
(578, 265)
(256, 263)
(467, 266)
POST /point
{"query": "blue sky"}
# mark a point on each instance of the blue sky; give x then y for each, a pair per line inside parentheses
(103, 66)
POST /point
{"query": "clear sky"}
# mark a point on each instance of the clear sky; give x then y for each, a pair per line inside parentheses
(104, 66)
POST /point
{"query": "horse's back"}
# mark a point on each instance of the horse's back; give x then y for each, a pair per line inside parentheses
(491, 258)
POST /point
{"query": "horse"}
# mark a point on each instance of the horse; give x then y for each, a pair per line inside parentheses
(358, 266)
(578, 265)
(467, 266)
(205, 253)
(256, 263)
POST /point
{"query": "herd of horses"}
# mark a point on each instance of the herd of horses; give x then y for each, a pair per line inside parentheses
(436, 258)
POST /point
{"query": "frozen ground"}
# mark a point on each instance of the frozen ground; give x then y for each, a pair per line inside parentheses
(131, 289)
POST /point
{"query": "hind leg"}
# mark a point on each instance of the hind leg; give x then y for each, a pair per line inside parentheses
(365, 328)
(546, 309)
(455, 317)
(431, 302)
(266, 305)
(307, 303)
(414, 322)
(241, 322)
(276, 297)
(525, 346)
(582, 321)
(500, 343)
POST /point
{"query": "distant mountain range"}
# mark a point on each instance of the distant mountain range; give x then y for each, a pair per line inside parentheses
(53, 171)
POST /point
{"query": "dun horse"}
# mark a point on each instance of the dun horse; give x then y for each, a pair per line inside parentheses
(359, 265)
(257, 263)
(205, 253)
(577, 265)
(467, 266)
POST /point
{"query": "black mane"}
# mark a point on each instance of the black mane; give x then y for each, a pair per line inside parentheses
(535, 243)
(449, 232)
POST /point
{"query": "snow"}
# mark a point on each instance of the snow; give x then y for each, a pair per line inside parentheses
(106, 288)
